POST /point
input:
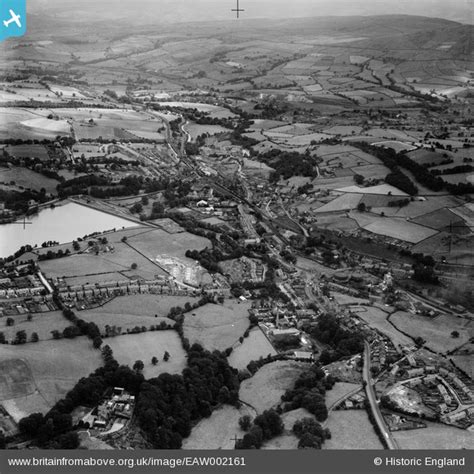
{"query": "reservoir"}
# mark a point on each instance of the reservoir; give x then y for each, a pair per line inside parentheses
(62, 224)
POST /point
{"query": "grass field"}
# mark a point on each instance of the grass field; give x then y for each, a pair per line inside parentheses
(287, 440)
(265, 388)
(130, 348)
(135, 310)
(28, 179)
(32, 151)
(53, 368)
(351, 429)
(253, 347)
(217, 431)
(217, 326)
(341, 203)
(377, 319)
(435, 436)
(42, 324)
(157, 242)
(436, 331)
(339, 390)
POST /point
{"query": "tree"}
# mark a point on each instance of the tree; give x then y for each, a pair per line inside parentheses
(10, 321)
(2, 338)
(361, 207)
(76, 246)
(3, 442)
(133, 266)
(455, 334)
(20, 337)
(359, 179)
(29, 317)
(154, 360)
(166, 356)
(245, 422)
(138, 366)
(97, 342)
(68, 441)
(34, 337)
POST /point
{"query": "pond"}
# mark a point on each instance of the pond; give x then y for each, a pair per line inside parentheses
(63, 223)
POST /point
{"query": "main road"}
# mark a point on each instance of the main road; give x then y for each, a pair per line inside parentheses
(369, 389)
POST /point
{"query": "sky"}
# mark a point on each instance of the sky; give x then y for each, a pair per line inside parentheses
(170, 11)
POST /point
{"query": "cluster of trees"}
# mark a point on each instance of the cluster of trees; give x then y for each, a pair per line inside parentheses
(399, 203)
(50, 254)
(88, 329)
(423, 268)
(55, 429)
(310, 433)
(287, 164)
(265, 426)
(401, 181)
(343, 343)
(308, 392)
(169, 405)
(454, 170)
(17, 201)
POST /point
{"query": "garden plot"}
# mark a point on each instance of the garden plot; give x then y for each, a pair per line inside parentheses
(256, 345)
(377, 319)
(132, 347)
(435, 331)
(264, 390)
(217, 327)
(53, 369)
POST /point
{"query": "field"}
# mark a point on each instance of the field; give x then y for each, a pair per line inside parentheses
(287, 440)
(341, 203)
(435, 436)
(23, 177)
(50, 370)
(217, 431)
(264, 390)
(253, 347)
(157, 242)
(351, 429)
(135, 310)
(436, 331)
(195, 130)
(132, 347)
(377, 319)
(339, 390)
(32, 151)
(217, 326)
(42, 324)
